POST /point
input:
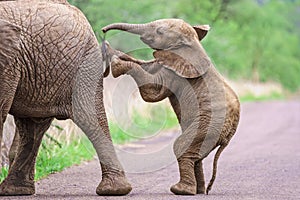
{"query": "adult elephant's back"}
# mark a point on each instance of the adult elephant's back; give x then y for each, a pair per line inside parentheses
(56, 39)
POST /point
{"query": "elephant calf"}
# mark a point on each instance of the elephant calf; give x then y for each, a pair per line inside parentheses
(206, 107)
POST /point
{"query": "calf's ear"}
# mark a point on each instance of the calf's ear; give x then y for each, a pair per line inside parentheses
(201, 30)
(180, 65)
(9, 40)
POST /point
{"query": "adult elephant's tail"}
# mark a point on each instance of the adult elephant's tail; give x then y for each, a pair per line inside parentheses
(216, 158)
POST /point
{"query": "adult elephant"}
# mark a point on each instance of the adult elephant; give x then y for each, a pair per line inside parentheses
(51, 67)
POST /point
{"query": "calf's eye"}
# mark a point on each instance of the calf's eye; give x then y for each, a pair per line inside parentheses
(159, 31)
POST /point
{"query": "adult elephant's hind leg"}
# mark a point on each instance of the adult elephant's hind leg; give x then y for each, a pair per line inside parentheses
(113, 180)
(20, 179)
(89, 115)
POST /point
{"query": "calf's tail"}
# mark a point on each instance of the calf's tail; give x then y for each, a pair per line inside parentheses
(215, 163)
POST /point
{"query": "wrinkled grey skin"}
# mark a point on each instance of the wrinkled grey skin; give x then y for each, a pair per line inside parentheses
(51, 67)
(206, 107)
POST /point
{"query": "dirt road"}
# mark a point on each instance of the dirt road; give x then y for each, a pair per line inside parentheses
(262, 162)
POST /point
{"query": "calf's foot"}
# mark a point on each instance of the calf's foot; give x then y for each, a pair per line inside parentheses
(183, 189)
(187, 184)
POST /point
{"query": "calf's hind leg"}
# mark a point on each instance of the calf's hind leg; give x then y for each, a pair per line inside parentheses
(20, 179)
(190, 152)
(199, 177)
(187, 182)
(187, 154)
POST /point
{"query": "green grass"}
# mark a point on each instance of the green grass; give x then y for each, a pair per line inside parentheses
(269, 97)
(54, 156)
(4, 172)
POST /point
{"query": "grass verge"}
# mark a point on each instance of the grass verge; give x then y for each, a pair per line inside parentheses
(56, 155)
(55, 158)
(272, 96)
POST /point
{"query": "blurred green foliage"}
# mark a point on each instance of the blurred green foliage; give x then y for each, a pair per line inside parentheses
(142, 126)
(268, 97)
(256, 40)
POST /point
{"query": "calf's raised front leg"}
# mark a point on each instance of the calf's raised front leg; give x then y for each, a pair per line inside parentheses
(152, 87)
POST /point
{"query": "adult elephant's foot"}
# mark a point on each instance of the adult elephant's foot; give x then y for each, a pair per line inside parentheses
(14, 187)
(113, 185)
(183, 189)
